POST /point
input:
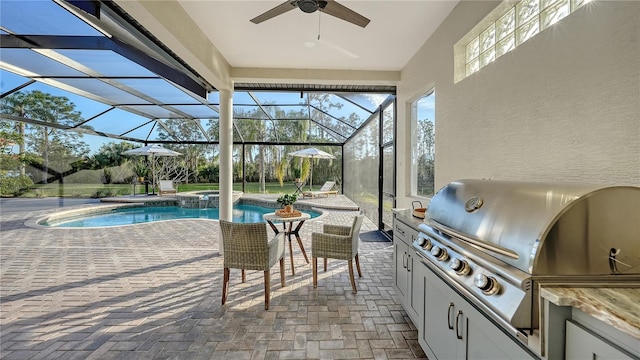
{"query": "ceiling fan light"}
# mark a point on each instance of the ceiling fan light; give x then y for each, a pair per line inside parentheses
(308, 6)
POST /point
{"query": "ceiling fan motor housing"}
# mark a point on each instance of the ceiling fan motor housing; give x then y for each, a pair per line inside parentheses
(308, 6)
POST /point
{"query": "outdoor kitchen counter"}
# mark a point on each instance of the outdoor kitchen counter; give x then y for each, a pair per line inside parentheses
(616, 306)
(406, 216)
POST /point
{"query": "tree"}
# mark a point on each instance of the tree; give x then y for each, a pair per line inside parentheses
(112, 154)
(252, 126)
(322, 105)
(12, 133)
(192, 154)
(56, 148)
(426, 154)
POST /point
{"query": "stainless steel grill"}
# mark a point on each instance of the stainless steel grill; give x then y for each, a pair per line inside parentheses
(497, 241)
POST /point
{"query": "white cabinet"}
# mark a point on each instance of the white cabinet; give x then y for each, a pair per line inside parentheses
(408, 275)
(583, 344)
(400, 276)
(571, 333)
(486, 341)
(444, 321)
(454, 329)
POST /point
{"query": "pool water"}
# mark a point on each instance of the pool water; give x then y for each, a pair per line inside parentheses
(137, 215)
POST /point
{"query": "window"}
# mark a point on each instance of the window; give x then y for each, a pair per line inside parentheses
(423, 122)
(506, 27)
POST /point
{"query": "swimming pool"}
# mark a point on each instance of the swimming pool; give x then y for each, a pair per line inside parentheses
(141, 214)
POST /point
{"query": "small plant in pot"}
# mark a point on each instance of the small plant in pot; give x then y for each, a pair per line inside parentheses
(287, 201)
(141, 170)
(296, 175)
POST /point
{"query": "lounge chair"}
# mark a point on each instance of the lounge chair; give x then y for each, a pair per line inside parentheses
(166, 187)
(324, 190)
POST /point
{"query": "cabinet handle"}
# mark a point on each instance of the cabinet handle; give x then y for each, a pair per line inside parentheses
(449, 324)
(404, 260)
(409, 259)
(458, 316)
(400, 231)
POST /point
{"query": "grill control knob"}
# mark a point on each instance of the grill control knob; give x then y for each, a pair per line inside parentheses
(461, 267)
(427, 245)
(489, 285)
(439, 253)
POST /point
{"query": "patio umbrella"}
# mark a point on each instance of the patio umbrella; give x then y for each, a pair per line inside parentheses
(153, 150)
(312, 153)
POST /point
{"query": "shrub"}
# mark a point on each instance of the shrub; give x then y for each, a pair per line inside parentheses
(14, 185)
(100, 193)
(106, 176)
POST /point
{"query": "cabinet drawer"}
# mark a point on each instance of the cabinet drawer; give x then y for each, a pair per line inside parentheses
(400, 229)
(404, 232)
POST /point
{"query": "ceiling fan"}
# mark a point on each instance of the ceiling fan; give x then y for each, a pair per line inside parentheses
(329, 7)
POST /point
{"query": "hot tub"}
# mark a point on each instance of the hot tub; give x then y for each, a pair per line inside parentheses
(203, 199)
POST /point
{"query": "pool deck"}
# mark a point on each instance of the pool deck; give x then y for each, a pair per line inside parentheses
(152, 291)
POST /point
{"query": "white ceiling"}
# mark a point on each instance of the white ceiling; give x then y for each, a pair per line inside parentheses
(396, 31)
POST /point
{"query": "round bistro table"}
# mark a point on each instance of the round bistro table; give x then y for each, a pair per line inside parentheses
(270, 218)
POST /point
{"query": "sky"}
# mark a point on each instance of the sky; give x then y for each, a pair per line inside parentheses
(48, 18)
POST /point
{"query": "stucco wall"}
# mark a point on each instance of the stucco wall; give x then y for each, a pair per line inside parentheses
(564, 106)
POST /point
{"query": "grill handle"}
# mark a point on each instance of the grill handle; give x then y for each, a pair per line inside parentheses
(495, 248)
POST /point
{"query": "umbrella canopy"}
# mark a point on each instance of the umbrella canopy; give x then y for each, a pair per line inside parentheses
(153, 150)
(312, 153)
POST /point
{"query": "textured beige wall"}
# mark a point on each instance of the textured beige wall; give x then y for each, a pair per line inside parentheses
(564, 106)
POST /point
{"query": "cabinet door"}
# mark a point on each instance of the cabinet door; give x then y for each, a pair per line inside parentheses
(486, 341)
(439, 319)
(454, 329)
(581, 344)
(415, 296)
(400, 270)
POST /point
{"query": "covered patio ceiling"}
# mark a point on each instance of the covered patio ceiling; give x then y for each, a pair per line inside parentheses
(128, 86)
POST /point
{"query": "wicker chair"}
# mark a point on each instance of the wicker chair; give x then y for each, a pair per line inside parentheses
(247, 247)
(337, 242)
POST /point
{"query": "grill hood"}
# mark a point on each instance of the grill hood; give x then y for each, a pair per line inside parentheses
(543, 228)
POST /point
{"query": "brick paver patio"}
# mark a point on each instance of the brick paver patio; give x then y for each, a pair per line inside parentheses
(152, 291)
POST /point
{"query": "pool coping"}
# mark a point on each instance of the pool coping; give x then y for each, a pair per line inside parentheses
(101, 209)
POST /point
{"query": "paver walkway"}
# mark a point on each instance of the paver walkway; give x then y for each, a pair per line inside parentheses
(152, 291)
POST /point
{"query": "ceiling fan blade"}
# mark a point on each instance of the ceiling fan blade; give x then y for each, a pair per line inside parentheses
(342, 12)
(278, 10)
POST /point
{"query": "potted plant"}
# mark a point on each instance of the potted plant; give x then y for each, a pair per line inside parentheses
(141, 170)
(296, 175)
(287, 201)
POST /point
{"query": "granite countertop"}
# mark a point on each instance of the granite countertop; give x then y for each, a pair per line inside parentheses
(616, 306)
(406, 216)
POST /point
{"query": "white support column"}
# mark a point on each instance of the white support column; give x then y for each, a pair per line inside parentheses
(226, 155)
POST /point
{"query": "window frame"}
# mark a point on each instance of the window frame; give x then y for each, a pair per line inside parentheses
(471, 53)
(414, 111)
